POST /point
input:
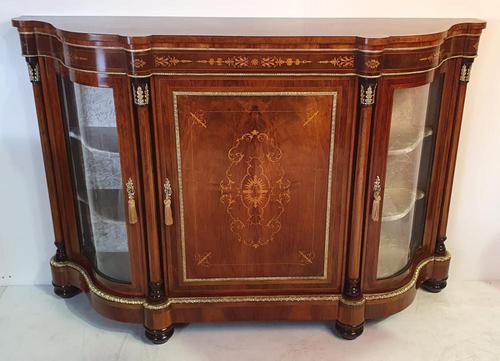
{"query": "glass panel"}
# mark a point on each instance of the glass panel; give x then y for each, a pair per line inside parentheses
(93, 150)
(415, 113)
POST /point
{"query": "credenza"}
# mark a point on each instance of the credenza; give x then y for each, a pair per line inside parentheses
(225, 169)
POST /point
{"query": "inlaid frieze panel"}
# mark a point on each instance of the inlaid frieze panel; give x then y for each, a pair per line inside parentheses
(346, 59)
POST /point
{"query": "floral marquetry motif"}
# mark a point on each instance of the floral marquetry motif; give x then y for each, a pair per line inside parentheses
(255, 190)
(340, 61)
(138, 63)
(274, 62)
(169, 61)
(234, 61)
(372, 63)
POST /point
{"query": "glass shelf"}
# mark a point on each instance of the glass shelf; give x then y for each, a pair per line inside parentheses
(407, 140)
(100, 169)
(98, 139)
(399, 202)
(106, 203)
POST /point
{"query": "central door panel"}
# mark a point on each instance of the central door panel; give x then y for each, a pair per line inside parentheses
(256, 188)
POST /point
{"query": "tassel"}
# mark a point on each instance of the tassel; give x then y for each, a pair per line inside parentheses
(132, 211)
(169, 220)
(376, 208)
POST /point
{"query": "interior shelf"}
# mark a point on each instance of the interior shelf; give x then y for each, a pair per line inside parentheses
(100, 169)
(98, 139)
(406, 140)
(107, 235)
(398, 202)
(107, 203)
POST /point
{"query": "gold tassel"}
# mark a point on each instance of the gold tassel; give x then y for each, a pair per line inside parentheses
(169, 219)
(376, 209)
(132, 211)
(377, 197)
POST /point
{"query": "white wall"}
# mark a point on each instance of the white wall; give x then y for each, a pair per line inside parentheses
(25, 224)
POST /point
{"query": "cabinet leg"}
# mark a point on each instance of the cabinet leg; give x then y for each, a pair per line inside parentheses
(434, 286)
(348, 332)
(66, 291)
(159, 336)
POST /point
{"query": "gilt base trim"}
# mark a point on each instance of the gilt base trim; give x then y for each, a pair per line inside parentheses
(89, 285)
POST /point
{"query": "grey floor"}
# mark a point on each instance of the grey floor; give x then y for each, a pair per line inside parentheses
(462, 323)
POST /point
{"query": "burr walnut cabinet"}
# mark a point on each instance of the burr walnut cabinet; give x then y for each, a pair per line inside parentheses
(205, 170)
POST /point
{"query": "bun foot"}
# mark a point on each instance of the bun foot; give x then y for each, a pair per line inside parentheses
(434, 286)
(348, 332)
(66, 291)
(159, 336)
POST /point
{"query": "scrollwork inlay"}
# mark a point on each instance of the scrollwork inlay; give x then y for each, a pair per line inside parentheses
(254, 197)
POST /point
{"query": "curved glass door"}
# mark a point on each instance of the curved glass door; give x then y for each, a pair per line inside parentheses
(92, 138)
(415, 112)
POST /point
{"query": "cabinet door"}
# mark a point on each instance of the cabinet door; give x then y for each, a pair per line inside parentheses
(257, 173)
(101, 150)
(403, 177)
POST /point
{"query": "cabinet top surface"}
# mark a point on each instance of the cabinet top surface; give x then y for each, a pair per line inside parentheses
(267, 27)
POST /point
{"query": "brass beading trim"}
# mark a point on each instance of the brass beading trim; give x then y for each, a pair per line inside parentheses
(241, 299)
(93, 288)
(402, 290)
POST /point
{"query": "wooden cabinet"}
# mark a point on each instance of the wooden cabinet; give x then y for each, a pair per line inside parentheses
(249, 169)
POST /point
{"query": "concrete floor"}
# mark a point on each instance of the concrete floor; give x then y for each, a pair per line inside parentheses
(461, 323)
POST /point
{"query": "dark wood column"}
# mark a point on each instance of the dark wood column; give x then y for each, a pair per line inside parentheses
(35, 77)
(141, 94)
(463, 79)
(367, 92)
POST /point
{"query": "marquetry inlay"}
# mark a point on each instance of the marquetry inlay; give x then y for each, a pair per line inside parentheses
(372, 63)
(256, 189)
(138, 63)
(254, 198)
(203, 259)
(276, 61)
(306, 257)
(169, 61)
(199, 119)
(339, 61)
(430, 58)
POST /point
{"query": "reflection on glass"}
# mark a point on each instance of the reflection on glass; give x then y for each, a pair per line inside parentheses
(414, 117)
(93, 149)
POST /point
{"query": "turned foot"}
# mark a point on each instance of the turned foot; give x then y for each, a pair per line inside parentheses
(348, 332)
(434, 286)
(66, 291)
(159, 336)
